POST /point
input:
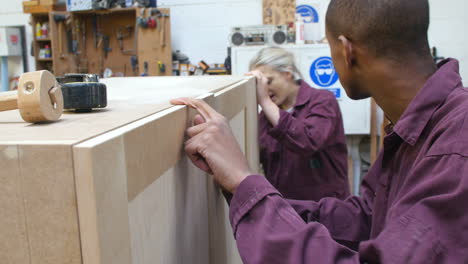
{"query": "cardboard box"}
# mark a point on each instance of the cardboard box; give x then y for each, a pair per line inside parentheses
(47, 2)
(79, 5)
(43, 6)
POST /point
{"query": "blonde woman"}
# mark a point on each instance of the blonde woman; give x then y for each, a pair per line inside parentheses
(302, 141)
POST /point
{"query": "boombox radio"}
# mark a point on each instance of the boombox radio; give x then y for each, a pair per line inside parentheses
(259, 35)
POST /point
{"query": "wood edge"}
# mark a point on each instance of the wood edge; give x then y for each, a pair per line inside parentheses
(86, 206)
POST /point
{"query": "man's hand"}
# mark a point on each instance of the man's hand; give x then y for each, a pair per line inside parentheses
(212, 147)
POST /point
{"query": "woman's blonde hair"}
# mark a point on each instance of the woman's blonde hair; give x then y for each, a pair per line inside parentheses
(277, 58)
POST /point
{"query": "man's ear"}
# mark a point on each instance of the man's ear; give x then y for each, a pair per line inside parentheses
(347, 50)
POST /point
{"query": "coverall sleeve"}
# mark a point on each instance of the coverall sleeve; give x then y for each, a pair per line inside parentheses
(310, 134)
(425, 225)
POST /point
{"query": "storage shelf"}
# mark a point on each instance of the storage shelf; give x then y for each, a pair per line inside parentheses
(45, 59)
(107, 11)
(42, 40)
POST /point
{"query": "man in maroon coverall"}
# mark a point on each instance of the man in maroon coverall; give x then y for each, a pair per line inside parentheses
(413, 203)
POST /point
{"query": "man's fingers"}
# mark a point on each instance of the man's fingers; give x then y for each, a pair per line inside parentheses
(179, 101)
(203, 108)
(195, 130)
(200, 163)
(198, 120)
(192, 149)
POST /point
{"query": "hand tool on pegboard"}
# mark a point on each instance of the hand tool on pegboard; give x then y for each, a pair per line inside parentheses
(153, 21)
(82, 92)
(95, 33)
(145, 68)
(162, 67)
(142, 21)
(39, 98)
(163, 29)
(106, 45)
(134, 64)
(60, 20)
(123, 33)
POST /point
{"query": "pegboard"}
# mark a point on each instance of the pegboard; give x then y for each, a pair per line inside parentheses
(278, 12)
(145, 43)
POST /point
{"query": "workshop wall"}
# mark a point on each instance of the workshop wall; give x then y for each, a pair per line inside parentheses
(201, 29)
(448, 31)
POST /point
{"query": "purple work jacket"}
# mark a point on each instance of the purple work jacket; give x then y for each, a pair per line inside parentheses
(305, 157)
(413, 207)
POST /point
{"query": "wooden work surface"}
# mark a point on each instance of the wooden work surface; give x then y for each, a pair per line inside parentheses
(129, 99)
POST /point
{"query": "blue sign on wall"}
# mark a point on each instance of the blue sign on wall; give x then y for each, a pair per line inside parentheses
(308, 13)
(323, 73)
(335, 91)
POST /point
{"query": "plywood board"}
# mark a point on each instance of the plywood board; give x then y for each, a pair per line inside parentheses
(278, 12)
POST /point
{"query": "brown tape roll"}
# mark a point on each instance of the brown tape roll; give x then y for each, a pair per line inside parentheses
(39, 97)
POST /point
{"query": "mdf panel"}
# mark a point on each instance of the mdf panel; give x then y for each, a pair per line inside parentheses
(47, 188)
(101, 185)
(223, 248)
(252, 150)
(15, 249)
(142, 208)
(153, 148)
(165, 209)
(239, 105)
(229, 102)
(168, 220)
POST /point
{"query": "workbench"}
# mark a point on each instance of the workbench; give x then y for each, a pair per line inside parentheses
(114, 185)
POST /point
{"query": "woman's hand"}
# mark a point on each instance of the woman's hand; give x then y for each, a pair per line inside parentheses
(262, 87)
(212, 147)
(271, 110)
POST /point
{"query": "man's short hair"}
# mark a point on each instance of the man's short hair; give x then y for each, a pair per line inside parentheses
(387, 28)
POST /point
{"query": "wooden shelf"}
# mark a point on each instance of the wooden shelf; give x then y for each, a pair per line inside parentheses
(107, 11)
(42, 40)
(45, 59)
